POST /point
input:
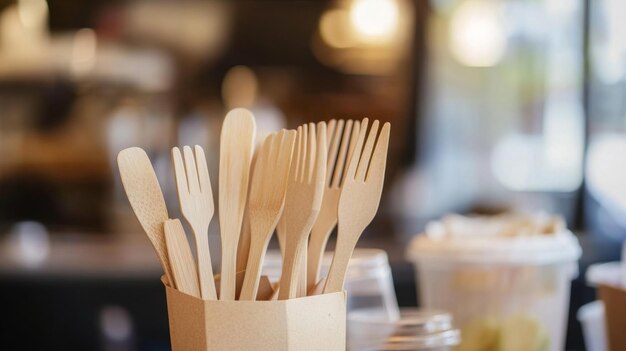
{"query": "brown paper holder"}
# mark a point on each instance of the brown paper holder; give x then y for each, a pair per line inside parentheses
(308, 323)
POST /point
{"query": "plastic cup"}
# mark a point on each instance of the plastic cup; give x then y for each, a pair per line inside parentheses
(591, 317)
(369, 283)
(505, 293)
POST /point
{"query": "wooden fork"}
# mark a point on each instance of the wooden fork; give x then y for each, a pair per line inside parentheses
(359, 199)
(327, 219)
(196, 204)
(265, 202)
(303, 200)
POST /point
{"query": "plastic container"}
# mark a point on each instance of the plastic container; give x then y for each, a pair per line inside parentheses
(505, 292)
(369, 283)
(591, 317)
(416, 330)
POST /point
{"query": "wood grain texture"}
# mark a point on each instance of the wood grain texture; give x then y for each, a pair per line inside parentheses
(236, 145)
(359, 198)
(303, 201)
(196, 204)
(265, 202)
(181, 260)
(146, 199)
(342, 144)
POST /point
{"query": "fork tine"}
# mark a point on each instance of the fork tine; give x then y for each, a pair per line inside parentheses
(303, 152)
(379, 156)
(311, 152)
(333, 138)
(356, 153)
(321, 156)
(192, 172)
(354, 138)
(203, 171)
(361, 171)
(295, 160)
(341, 156)
(330, 130)
(179, 171)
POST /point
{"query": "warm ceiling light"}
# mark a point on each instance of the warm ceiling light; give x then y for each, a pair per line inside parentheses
(374, 19)
(335, 28)
(477, 36)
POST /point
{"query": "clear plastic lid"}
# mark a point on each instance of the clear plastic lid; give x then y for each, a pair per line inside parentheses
(514, 239)
(415, 330)
(364, 263)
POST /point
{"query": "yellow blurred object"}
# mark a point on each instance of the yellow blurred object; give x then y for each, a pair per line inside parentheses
(240, 87)
(477, 33)
(479, 335)
(333, 28)
(365, 36)
(374, 20)
(522, 332)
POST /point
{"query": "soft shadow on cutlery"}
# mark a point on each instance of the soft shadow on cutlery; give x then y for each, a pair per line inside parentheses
(302, 204)
(181, 260)
(236, 144)
(265, 202)
(146, 199)
(359, 199)
(196, 204)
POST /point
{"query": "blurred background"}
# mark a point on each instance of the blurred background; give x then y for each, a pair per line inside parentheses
(495, 105)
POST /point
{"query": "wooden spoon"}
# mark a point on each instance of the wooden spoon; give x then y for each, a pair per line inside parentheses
(265, 202)
(146, 199)
(181, 260)
(236, 145)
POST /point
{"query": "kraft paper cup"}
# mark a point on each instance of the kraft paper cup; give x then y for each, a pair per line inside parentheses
(302, 324)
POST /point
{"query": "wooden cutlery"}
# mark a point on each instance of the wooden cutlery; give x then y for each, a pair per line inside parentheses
(303, 183)
(359, 200)
(327, 219)
(196, 204)
(244, 239)
(146, 199)
(266, 202)
(302, 204)
(236, 145)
